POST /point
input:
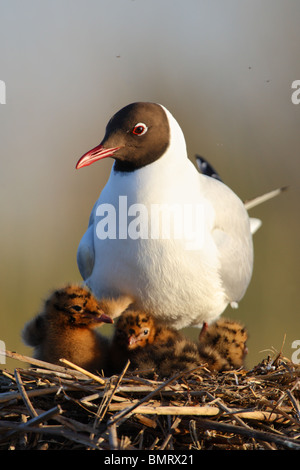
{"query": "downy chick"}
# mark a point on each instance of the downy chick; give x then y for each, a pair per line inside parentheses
(66, 328)
(149, 344)
(223, 345)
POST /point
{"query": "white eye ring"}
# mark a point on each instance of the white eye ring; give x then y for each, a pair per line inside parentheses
(140, 129)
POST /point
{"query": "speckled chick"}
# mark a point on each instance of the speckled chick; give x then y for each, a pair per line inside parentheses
(223, 345)
(150, 345)
(66, 328)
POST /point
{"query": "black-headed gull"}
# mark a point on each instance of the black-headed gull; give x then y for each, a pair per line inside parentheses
(177, 241)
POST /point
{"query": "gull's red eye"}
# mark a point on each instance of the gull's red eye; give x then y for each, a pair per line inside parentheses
(140, 129)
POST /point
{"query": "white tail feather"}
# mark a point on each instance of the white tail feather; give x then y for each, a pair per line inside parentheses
(255, 224)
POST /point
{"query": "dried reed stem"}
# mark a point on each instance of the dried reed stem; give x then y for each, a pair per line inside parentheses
(83, 371)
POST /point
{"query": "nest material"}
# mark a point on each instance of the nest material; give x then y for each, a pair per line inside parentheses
(66, 408)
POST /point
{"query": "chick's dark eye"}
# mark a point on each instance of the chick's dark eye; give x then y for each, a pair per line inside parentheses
(146, 331)
(77, 308)
(140, 129)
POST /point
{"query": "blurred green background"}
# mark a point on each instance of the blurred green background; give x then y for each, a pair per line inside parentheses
(224, 70)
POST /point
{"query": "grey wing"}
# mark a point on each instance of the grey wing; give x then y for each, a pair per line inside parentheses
(232, 235)
(86, 251)
(207, 169)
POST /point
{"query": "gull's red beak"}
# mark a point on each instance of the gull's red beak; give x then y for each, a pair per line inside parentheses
(95, 154)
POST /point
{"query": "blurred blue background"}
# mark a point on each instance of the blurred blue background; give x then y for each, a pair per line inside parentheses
(223, 69)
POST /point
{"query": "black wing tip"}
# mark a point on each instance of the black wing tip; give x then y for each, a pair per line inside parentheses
(206, 168)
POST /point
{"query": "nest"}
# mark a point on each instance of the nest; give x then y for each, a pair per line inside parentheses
(66, 408)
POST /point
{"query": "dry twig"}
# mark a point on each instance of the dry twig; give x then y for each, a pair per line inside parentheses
(53, 407)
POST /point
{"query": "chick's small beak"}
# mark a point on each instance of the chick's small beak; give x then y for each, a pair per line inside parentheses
(132, 340)
(104, 319)
(97, 153)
